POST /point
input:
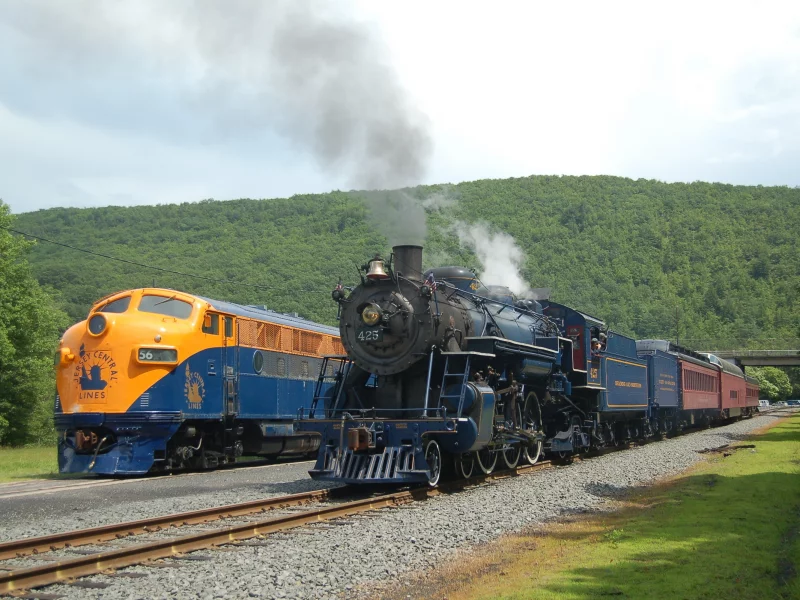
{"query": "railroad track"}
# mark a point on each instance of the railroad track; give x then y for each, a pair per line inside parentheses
(331, 506)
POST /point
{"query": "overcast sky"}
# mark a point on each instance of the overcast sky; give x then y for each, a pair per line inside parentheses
(158, 102)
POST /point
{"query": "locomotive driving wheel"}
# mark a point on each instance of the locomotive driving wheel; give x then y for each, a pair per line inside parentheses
(433, 456)
(465, 464)
(487, 460)
(511, 454)
(532, 422)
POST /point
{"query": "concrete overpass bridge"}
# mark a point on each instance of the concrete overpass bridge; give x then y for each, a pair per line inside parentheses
(760, 358)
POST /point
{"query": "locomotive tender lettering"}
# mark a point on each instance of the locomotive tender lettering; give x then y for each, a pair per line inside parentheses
(630, 384)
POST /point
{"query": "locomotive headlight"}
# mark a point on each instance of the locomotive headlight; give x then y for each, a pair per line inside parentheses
(97, 324)
(371, 314)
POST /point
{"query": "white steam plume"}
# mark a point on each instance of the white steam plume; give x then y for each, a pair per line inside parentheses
(500, 256)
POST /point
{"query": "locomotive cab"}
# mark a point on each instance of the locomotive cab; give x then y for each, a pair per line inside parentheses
(581, 329)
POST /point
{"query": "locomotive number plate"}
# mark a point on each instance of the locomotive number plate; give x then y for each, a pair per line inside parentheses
(373, 334)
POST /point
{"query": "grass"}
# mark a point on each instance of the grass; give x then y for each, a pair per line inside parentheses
(35, 462)
(41, 462)
(729, 528)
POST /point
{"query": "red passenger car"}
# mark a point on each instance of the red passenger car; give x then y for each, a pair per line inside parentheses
(733, 390)
(751, 393)
(699, 385)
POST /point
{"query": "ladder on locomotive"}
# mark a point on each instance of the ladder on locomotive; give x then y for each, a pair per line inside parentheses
(335, 374)
(459, 362)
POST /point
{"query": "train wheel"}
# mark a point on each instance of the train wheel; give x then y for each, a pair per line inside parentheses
(487, 460)
(511, 455)
(563, 457)
(465, 464)
(532, 422)
(433, 456)
(608, 435)
(532, 454)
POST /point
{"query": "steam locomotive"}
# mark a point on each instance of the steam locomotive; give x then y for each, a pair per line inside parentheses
(442, 371)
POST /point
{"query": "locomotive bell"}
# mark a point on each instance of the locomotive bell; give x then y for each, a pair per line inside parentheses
(376, 269)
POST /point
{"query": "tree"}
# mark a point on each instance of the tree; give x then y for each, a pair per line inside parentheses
(625, 251)
(30, 325)
(773, 382)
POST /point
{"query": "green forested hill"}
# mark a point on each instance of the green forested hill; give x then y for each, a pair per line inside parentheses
(718, 264)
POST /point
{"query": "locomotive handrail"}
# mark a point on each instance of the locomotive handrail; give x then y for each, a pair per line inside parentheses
(428, 384)
(361, 413)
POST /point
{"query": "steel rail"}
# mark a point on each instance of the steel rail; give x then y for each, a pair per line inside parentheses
(20, 548)
(104, 533)
(93, 564)
(64, 571)
(14, 582)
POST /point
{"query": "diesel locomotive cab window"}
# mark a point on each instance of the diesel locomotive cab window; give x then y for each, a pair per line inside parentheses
(211, 324)
(169, 307)
(120, 305)
(228, 327)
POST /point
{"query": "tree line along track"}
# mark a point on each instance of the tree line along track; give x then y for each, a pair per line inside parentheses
(64, 571)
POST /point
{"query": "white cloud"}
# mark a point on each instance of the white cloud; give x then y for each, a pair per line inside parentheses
(674, 91)
(48, 163)
(574, 88)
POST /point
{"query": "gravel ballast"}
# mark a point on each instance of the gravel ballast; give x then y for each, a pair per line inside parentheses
(130, 500)
(328, 561)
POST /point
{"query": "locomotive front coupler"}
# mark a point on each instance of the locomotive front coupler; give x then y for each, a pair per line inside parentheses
(363, 437)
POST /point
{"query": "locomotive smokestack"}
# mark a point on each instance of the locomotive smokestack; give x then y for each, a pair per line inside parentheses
(408, 261)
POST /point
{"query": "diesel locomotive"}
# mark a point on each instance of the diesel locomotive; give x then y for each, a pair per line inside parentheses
(441, 371)
(157, 379)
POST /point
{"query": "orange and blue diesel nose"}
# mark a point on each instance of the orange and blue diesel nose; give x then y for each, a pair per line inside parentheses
(110, 369)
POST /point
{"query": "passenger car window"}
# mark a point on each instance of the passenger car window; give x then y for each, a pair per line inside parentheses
(170, 307)
(120, 305)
